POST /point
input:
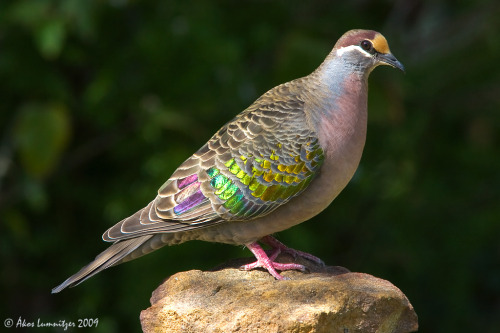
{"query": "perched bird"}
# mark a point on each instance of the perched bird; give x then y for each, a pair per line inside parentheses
(276, 164)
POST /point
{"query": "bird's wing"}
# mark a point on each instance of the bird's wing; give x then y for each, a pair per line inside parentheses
(255, 163)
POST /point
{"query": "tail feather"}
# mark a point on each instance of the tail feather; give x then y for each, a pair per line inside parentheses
(113, 255)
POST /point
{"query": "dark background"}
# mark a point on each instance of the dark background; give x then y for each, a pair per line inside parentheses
(100, 101)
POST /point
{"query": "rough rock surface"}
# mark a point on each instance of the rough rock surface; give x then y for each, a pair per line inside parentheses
(328, 299)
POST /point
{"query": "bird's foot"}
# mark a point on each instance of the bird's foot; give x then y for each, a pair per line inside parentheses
(277, 245)
(267, 262)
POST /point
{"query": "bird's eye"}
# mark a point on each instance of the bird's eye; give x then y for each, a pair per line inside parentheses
(367, 46)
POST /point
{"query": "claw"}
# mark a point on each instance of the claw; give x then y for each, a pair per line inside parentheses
(267, 262)
(276, 244)
(264, 261)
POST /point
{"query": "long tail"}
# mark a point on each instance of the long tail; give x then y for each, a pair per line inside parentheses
(117, 253)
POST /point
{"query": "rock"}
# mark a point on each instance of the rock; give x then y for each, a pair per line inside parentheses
(328, 299)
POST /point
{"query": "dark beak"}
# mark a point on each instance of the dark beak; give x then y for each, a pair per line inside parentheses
(389, 59)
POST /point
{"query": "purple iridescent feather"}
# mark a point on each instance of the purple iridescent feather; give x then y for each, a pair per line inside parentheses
(193, 199)
(190, 202)
(181, 183)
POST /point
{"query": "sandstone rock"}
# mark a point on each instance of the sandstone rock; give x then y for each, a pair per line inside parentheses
(328, 299)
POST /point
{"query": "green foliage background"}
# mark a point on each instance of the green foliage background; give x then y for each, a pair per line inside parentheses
(100, 101)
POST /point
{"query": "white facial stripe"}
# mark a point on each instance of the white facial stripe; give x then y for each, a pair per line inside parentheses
(350, 48)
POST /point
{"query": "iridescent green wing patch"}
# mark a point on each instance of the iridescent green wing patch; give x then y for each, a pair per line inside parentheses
(251, 185)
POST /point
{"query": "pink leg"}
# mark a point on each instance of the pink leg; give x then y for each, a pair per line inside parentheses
(267, 262)
(257, 263)
(277, 245)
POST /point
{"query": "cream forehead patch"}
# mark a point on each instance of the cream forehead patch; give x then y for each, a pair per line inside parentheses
(380, 44)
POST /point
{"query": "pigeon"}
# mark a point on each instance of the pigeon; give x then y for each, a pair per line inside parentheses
(278, 163)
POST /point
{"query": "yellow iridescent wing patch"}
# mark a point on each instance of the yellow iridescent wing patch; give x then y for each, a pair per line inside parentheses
(270, 180)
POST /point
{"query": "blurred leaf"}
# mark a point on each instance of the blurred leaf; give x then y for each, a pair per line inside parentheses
(35, 195)
(16, 224)
(80, 15)
(28, 13)
(41, 134)
(50, 38)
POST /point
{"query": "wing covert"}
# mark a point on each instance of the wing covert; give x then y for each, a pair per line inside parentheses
(255, 163)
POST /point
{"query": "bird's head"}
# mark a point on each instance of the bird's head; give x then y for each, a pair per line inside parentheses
(364, 50)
